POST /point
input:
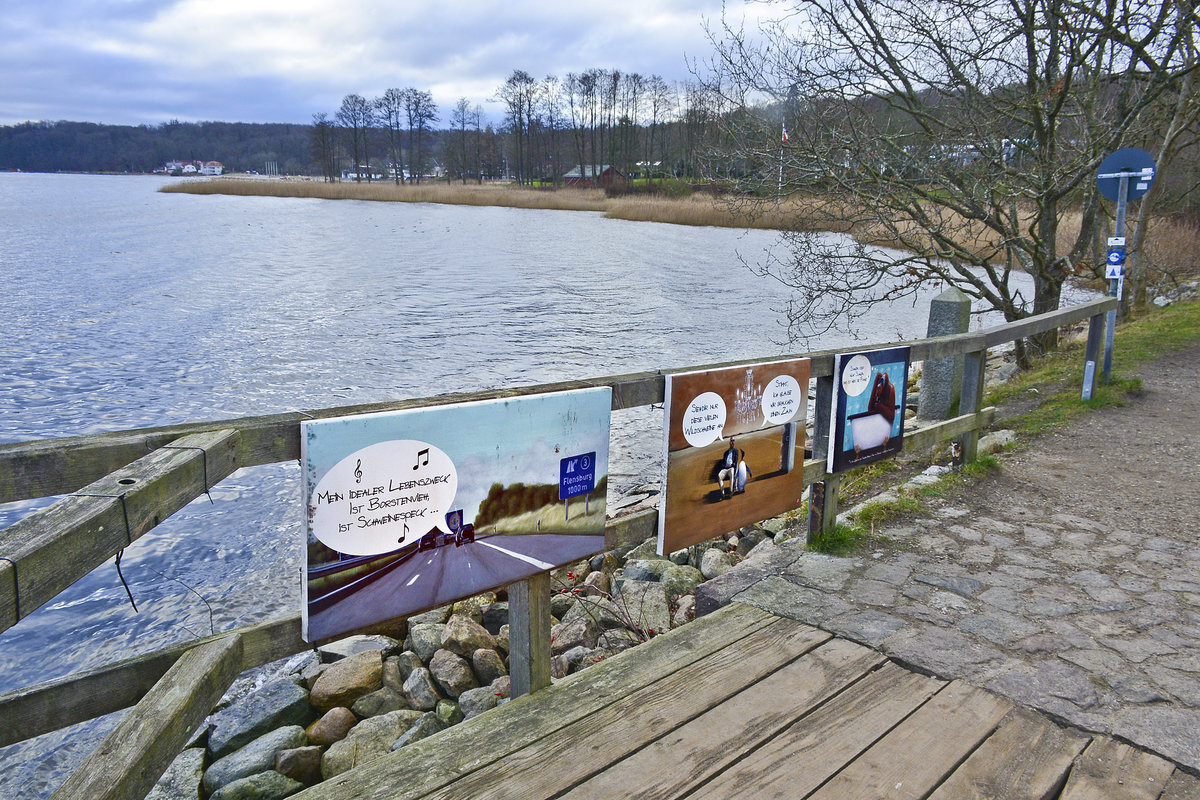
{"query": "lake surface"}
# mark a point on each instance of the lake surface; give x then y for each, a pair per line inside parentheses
(124, 307)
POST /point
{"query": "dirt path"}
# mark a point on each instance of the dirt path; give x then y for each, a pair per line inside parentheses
(1069, 582)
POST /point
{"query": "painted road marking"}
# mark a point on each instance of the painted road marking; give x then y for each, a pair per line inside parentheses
(521, 556)
(413, 579)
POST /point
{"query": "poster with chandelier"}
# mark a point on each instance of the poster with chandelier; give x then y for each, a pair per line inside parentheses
(734, 449)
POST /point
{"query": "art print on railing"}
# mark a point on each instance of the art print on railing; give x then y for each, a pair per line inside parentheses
(867, 424)
(734, 449)
(408, 510)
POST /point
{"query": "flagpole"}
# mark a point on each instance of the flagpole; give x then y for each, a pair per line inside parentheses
(782, 142)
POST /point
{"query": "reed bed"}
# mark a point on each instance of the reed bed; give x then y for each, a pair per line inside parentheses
(1171, 250)
(381, 191)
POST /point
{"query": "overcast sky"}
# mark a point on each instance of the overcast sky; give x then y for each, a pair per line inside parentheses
(150, 61)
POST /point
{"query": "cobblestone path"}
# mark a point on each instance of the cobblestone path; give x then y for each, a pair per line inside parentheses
(1070, 582)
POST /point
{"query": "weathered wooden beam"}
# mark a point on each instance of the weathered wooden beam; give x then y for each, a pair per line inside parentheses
(65, 701)
(49, 467)
(529, 634)
(948, 429)
(135, 754)
(970, 399)
(56, 546)
(1044, 322)
(822, 492)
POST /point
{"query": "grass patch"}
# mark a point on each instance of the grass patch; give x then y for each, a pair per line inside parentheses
(1057, 378)
(841, 540)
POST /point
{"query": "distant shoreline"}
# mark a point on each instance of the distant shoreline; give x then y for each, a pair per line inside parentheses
(697, 208)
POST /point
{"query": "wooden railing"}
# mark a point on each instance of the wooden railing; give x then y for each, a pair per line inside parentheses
(120, 485)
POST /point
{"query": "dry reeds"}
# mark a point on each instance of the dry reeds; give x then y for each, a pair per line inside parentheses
(381, 191)
(1171, 248)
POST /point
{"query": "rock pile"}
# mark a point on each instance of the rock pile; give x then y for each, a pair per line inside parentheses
(1177, 294)
(327, 711)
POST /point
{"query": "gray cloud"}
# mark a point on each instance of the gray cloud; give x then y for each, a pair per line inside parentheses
(138, 61)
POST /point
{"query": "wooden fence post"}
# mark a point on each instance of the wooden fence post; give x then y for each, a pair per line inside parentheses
(822, 496)
(1095, 326)
(971, 398)
(529, 634)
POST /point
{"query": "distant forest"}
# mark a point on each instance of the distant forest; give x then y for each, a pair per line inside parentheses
(509, 501)
(89, 147)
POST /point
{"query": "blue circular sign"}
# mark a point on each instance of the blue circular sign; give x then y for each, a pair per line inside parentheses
(1131, 160)
(1116, 257)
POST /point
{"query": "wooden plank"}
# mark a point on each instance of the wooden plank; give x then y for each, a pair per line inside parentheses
(135, 754)
(1116, 771)
(1043, 322)
(48, 467)
(56, 546)
(815, 747)
(943, 732)
(679, 759)
(1027, 757)
(477, 743)
(628, 723)
(938, 432)
(1182, 786)
(65, 701)
(529, 634)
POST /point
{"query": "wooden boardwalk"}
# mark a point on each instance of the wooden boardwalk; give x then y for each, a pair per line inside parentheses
(746, 704)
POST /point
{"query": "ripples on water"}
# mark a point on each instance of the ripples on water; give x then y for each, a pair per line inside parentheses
(125, 308)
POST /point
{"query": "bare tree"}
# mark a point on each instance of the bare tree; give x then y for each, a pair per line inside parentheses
(1172, 137)
(391, 109)
(519, 94)
(420, 112)
(456, 151)
(963, 131)
(324, 146)
(356, 116)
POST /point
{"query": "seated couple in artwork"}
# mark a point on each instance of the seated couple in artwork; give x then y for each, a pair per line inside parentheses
(731, 468)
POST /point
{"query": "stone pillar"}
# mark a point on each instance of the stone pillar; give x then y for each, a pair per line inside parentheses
(941, 378)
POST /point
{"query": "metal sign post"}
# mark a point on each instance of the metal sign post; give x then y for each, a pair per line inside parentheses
(1123, 176)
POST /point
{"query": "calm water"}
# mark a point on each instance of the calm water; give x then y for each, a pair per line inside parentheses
(123, 307)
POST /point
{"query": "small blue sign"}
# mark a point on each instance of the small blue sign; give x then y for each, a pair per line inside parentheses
(454, 520)
(576, 475)
(1116, 256)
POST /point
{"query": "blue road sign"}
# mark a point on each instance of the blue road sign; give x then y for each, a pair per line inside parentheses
(1133, 162)
(576, 475)
(1116, 256)
(454, 520)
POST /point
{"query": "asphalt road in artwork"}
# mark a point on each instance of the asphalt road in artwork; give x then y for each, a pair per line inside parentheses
(435, 577)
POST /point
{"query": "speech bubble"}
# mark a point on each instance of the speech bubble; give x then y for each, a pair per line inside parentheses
(382, 497)
(781, 399)
(856, 376)
(704, 419)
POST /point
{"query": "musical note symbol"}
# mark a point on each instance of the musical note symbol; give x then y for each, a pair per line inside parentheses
(358, 471)
(421, 463)
(405, 535)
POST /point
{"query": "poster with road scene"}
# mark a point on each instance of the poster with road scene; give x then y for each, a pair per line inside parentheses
(868, 421)
(734, 449)
(409, 510)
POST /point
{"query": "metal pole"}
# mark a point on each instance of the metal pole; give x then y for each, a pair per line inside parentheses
(1115, 283)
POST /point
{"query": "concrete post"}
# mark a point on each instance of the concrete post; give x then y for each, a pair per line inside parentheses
(941, 378)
